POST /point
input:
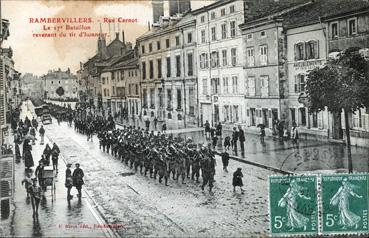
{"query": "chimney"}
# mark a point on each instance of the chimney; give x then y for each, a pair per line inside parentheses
(123, 37)
(117, 35)
(158, 10)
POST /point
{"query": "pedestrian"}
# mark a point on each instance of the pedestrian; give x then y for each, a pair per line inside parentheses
(78, 180)
(155, 123)
(34, 123)
(39, 173)
(234, 139)
(36, 192)
(147, 122)
(32, 132)
(214, 141)
(28, 158)
(42, 134)
(219, 130)
(27, 181)
(207, 129)
(241, 136)
(227, 143)
(68, 181)
(164, 128)
(294, 133)
(225, 160)
(47, 153)
(237, 180)
(285, 134)
(55, 151)
(262, 134)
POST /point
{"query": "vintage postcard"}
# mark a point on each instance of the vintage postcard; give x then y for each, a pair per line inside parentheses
(184, 118)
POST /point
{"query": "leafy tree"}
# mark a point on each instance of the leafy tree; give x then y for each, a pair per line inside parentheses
(60, 91)
(342, 84)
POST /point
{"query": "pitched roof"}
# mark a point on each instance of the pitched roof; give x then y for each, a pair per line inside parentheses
(312, 13)
(257, 9)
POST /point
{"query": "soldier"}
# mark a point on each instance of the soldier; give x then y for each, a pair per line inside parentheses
(196, 164)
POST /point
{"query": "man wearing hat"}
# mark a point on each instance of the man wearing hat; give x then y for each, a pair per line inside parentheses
(68, 181)
(78, 180)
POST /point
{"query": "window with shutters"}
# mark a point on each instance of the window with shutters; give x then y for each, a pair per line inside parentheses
(312, 49)
(235, 113)
(202, 19)
(167, 43)
(189, 37)
(222, 12)
(150, 47)
(225, 85)
(144, 95)
(169, 98)
(179, 98)
(205, 86)
(235, 84)
(212, 15)
(143, 70)
(300, 51)
(191, 103)
(224, 31)
(190, 64)
(233, 28)
(300, 83)
(214, 59)
(253, 116)
(143, 49)
(202, 36)
(178, 65)
(158, 46)
(177, 41)
(214, 86)
(250, 57)
(231, 9)
(263, 55)
(213, 34)
(224, 57)
(233, 56)
(160, 96)
(151, 69)
(251, 86)
(159, 68)
(168, 67)
(152, 98)
(264, 85)
(334, 30)
(352, 26)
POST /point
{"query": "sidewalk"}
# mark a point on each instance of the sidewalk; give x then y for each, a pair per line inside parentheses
(284, 156)
(56, 218)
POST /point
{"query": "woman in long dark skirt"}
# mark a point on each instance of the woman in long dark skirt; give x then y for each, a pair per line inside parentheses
(28, 160)
(237, 180)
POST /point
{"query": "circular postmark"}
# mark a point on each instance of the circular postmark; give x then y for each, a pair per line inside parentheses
(313, 159)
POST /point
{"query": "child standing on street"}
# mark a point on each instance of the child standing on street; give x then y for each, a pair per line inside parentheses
(237, 180)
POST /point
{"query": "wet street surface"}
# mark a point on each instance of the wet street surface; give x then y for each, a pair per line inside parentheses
(142, 206)
(147, 208)
(56, 217)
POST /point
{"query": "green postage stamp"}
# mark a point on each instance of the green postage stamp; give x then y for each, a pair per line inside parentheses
(293, 205)
(344, 203)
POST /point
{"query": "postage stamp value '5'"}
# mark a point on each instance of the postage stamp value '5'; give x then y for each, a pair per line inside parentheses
(293, 205)
(344, 204)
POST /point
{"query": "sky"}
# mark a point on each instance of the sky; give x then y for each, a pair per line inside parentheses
(37, 55)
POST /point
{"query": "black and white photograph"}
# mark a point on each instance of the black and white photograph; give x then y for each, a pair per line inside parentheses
(172, 118)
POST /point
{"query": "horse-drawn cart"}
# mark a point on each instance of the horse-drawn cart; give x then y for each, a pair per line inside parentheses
(49, 179)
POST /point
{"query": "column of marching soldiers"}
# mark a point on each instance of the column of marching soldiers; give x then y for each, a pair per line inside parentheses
(155, 154)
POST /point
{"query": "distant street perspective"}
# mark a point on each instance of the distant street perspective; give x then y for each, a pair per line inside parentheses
(212, 119)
